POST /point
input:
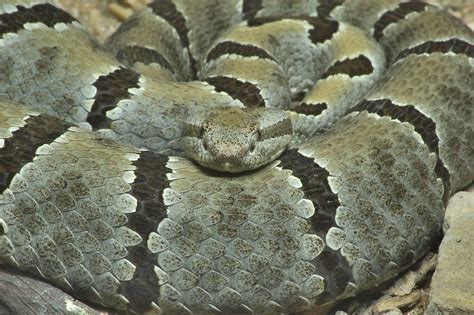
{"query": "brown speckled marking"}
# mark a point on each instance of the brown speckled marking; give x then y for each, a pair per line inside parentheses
(351, 66)
(237, 49)
(422, 124)
(148, 189)
(394, 16)
(111, 88)
(278, 129)
(131, 54)
(330, 264)
(40, 13)
(21, 147)
(310, 109)
(245, 92)
(455, 45)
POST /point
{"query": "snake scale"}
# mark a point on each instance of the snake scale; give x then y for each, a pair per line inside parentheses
(328, 135)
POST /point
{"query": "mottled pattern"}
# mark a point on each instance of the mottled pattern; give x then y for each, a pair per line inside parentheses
(66, 213)
(422, 124)
(382, 135)
(446, 83)
(44, 78)
(380, 223)
(241, 239)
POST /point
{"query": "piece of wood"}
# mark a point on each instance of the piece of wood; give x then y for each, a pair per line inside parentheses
(398, 302)
(408, 282)
(23, 294)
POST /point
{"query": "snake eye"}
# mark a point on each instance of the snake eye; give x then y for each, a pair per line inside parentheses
(202, 131)
(252, 147)
(201, 135)
(257, 137)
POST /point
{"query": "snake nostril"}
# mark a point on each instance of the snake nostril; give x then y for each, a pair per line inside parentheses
(204, 144)
(252, 147)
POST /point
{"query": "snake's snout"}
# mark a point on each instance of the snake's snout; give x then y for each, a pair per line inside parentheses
(236, 139)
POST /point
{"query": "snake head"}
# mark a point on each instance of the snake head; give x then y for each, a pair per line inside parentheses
(233, 139)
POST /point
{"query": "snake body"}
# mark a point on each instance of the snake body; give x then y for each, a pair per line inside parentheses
(371, 131)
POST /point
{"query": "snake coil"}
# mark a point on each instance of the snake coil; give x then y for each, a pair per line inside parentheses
(328, 135)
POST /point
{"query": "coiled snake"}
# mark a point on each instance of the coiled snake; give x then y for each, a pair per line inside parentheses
(335, 189)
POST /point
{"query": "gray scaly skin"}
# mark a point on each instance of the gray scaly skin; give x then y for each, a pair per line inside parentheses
(338, 212)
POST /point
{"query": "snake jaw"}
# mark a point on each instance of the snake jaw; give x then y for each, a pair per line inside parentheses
(235, 139)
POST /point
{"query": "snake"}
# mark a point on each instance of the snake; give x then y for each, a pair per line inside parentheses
(236, 157)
